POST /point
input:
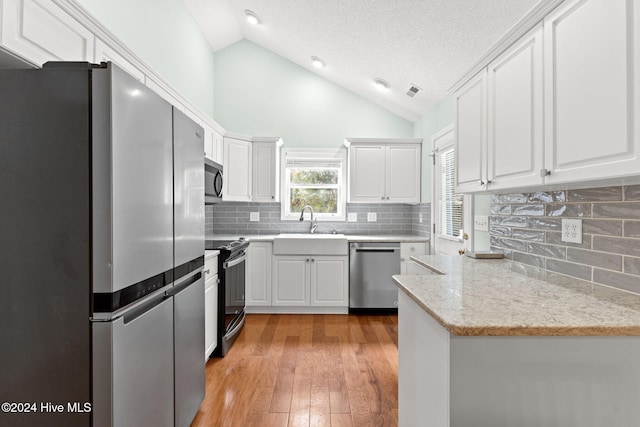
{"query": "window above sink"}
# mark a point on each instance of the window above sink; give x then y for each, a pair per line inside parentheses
(315, 177)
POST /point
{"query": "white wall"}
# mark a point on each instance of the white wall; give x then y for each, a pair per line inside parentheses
(165, 36)
(262, 94)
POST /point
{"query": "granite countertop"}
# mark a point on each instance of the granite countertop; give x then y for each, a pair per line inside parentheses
(492, 297)
(403, 238)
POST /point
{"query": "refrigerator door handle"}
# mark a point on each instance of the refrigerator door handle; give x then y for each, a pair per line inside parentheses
(185, 283)
(143, 308)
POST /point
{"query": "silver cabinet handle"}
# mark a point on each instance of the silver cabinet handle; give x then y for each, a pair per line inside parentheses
(206, 271)
(307, 259)
(313, 260)
(481, 182)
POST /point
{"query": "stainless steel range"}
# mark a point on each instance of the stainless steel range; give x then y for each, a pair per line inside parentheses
(231, 301)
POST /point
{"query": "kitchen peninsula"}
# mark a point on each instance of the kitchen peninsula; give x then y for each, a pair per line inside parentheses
(495, 343)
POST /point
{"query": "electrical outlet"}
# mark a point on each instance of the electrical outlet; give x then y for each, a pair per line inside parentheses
(572, 230)
(420, 217)
(254, 216)
(481, 222)
(372, 216)
(352, 217)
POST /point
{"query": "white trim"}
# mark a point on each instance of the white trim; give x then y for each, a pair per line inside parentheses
(519, 29)
(349, 141)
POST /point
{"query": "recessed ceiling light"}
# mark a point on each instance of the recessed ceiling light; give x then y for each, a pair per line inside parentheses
(381, 84)
(252, 17)
(317, 62)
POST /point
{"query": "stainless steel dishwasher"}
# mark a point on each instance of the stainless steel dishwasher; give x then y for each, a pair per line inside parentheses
(371, 266)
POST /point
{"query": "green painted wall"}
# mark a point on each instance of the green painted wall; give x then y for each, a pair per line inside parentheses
(439, 117)
(262, 94)
(165, 36)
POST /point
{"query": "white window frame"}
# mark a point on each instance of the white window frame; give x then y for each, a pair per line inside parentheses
(321, 156)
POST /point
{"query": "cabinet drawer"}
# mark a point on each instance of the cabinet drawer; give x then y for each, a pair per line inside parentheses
(408, 249)
(210, 266)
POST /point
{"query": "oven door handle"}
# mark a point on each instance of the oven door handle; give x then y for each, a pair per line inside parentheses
(233, 262)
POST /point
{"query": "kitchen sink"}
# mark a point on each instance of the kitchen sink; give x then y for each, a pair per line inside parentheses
(310, 244)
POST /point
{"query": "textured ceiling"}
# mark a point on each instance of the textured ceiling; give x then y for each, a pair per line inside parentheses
(427, 43)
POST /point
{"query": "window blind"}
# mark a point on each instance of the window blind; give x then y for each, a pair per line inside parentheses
(450, 202)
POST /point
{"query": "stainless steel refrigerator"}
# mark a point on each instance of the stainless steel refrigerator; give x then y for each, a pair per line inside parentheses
(102, 223)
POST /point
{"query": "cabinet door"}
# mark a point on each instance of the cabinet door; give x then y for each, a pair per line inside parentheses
(210, 315)
(291, 280)
(403, 173)
(470, 135)
(208, 142)
(41, 31)
(366, 173)
(237, 171)
(104, 53)
(592, 97)
(407, 250)
(218, 149)
(259, 262)
(329, 279)
(515, 140)
(265, 172)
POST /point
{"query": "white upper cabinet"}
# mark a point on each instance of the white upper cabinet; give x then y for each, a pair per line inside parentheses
(384, 172)
(592, 99)
(237, 170)
(366, 173)
(213, 144)
(266, 170)
(471, 134)
(402, 177)
(515, 126)
(40, 31)
(560, 106)
(104, 53)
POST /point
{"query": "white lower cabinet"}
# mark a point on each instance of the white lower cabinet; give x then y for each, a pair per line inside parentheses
(407, 250)
(258, 274)
(291, 280)
(210, 304)
(329, 280)
(305, 280)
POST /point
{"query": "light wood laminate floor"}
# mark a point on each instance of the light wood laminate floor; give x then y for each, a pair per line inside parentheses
(306, 370)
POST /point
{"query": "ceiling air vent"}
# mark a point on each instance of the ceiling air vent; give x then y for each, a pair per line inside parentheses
(413, 91)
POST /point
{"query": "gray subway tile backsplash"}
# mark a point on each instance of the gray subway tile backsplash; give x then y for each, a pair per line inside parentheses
(233, 218)
(631, 229)
(616, 280)
(629, 210)
(595, 194)
(632, 192)
(547, 196)
(632, 265)
(610, 250)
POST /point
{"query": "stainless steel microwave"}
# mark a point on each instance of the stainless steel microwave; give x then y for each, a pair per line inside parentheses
(212, 182)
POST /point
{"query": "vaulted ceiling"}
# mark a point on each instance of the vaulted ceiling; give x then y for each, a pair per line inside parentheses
(429, 44)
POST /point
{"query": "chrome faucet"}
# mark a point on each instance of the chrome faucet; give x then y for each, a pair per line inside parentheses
(314, 223)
